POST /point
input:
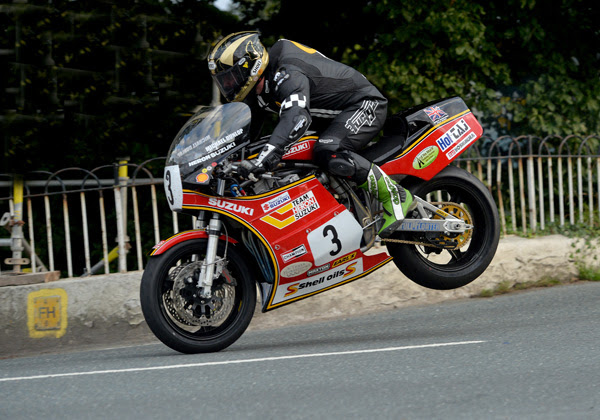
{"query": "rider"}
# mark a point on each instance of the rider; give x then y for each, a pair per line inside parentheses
(300, 83)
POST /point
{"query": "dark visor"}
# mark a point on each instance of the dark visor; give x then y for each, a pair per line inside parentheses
(230, 82)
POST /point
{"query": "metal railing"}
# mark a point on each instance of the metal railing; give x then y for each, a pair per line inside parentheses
(536, 183)
(527, 176)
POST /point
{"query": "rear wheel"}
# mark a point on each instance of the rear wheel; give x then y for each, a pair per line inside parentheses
(468, 254)
(179, 316)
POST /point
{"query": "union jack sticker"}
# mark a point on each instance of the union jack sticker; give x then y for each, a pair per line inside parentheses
(435, 114)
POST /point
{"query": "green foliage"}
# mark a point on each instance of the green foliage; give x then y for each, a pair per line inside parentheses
(91, 79)
(525, 66)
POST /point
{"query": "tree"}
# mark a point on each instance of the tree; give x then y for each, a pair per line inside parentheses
(525, 66)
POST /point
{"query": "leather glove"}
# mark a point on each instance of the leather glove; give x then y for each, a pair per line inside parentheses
(269, 157)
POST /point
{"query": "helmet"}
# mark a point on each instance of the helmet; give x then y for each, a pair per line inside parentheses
(236, 63)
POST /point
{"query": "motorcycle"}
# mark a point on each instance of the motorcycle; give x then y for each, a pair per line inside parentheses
(299, 231)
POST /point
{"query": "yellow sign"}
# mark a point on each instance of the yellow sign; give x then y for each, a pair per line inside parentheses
(47, 313)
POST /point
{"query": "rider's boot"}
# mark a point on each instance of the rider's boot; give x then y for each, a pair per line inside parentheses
(396, 200)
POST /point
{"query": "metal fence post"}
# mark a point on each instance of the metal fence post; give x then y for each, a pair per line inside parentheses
(16, 235)
(121, 211)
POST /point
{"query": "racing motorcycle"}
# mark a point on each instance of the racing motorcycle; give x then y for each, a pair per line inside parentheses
(298, 231)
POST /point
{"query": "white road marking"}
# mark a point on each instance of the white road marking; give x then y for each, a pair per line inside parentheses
(233, 362)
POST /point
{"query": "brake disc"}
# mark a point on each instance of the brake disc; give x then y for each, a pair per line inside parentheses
(186, 305)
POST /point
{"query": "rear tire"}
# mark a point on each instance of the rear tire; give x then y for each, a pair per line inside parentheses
(176, 315)
(444, 270)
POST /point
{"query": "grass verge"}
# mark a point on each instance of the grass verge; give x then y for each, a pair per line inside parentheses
(586, 273)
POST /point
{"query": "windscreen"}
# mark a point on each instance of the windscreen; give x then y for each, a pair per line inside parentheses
(209, 136)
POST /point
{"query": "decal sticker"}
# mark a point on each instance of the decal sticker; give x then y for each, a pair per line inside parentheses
(203, 177)
(212, 155)
(276, 202)
(227, 205)
(458, 130)
(295, 269)
(351, 269)
(337, 237)
(426, 157)
(342, 273)
(435, 114)
(318, 270)
(297, 148)
(296, 210)
(191, 146)
(292, 288)
(173, 187)
(227, 139)
(344, 259)
(294, 253)
(365, 115)
(280, 77)
(462, 145)
(256, 67)
(454, 134)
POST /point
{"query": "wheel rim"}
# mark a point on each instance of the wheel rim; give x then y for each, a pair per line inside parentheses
(190, 316)
(465, 204)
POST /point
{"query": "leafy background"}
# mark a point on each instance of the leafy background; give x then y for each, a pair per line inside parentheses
(86, 82)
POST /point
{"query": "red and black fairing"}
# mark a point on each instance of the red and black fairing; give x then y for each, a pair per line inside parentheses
(313, 241)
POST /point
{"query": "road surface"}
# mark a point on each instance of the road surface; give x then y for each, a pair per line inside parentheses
(530, 355)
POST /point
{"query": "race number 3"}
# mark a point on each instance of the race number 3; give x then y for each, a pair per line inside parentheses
(334, 240)
(173, 188)
(338, 236)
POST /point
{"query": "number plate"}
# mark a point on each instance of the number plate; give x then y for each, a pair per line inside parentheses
(173, 188)
(337, 237)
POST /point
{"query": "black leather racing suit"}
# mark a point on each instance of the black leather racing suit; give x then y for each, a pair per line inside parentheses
(301, 83)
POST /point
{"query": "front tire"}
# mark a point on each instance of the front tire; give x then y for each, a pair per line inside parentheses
(450, 269)
(180, 319)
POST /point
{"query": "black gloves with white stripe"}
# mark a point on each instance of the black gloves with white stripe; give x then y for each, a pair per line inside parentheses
(269, 158)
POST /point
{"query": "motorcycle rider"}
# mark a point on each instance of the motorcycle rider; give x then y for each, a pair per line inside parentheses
(299, 83)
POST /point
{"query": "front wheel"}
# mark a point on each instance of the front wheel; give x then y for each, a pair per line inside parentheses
(179, 316)
(464, 196)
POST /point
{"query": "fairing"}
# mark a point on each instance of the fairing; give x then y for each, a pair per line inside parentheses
(212, 134)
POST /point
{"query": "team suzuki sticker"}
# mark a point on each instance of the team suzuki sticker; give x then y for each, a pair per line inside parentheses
(296, 210)
(276, 202)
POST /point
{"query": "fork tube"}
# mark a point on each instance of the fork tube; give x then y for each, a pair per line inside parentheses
(214, 231)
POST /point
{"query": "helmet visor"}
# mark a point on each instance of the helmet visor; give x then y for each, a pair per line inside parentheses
(230, 81)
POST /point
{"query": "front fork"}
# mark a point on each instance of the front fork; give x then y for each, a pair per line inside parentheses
(208, 269)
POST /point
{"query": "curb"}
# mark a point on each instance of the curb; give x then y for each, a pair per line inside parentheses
(104, 310)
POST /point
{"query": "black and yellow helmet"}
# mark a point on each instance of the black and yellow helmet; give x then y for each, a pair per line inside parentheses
(236, 63)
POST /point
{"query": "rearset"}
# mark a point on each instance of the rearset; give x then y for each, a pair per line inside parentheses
(446, 223)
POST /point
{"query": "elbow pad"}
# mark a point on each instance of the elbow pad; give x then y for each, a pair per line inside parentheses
(301, 123)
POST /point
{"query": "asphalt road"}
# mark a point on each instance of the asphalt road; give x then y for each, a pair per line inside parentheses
(529, 355)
